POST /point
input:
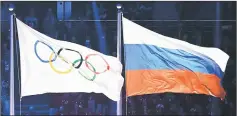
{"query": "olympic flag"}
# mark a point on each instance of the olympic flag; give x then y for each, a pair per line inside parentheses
(156, 64)
(52, 66)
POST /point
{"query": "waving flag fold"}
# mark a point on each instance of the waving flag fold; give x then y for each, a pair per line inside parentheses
(156, 64)
(52, 66)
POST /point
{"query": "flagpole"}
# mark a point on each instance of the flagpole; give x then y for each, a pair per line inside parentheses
(12, 100)
(119, 41)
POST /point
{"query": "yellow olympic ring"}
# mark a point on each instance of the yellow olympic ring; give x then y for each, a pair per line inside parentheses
(60, 72)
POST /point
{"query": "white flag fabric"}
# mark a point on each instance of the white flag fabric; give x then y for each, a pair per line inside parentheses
(53, 66)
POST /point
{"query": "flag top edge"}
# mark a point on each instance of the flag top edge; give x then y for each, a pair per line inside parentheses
(136, 34)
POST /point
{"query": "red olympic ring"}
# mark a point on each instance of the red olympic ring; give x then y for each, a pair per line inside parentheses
(86, 62)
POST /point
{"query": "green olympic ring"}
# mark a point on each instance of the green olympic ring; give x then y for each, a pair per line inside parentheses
(81, 73)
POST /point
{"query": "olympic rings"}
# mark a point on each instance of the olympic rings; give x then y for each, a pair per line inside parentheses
(44, 61)
(72, 65)
(107, 67)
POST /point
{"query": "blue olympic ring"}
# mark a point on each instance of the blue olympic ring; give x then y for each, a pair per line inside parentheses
(44, 61)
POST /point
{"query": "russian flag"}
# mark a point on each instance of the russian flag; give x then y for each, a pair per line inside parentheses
(157, 64)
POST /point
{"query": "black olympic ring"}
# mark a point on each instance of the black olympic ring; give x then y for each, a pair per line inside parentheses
(60, 50)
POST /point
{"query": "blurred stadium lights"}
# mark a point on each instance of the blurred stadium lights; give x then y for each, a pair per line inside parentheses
(226, 27)
(119, 6)
(11, 7)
